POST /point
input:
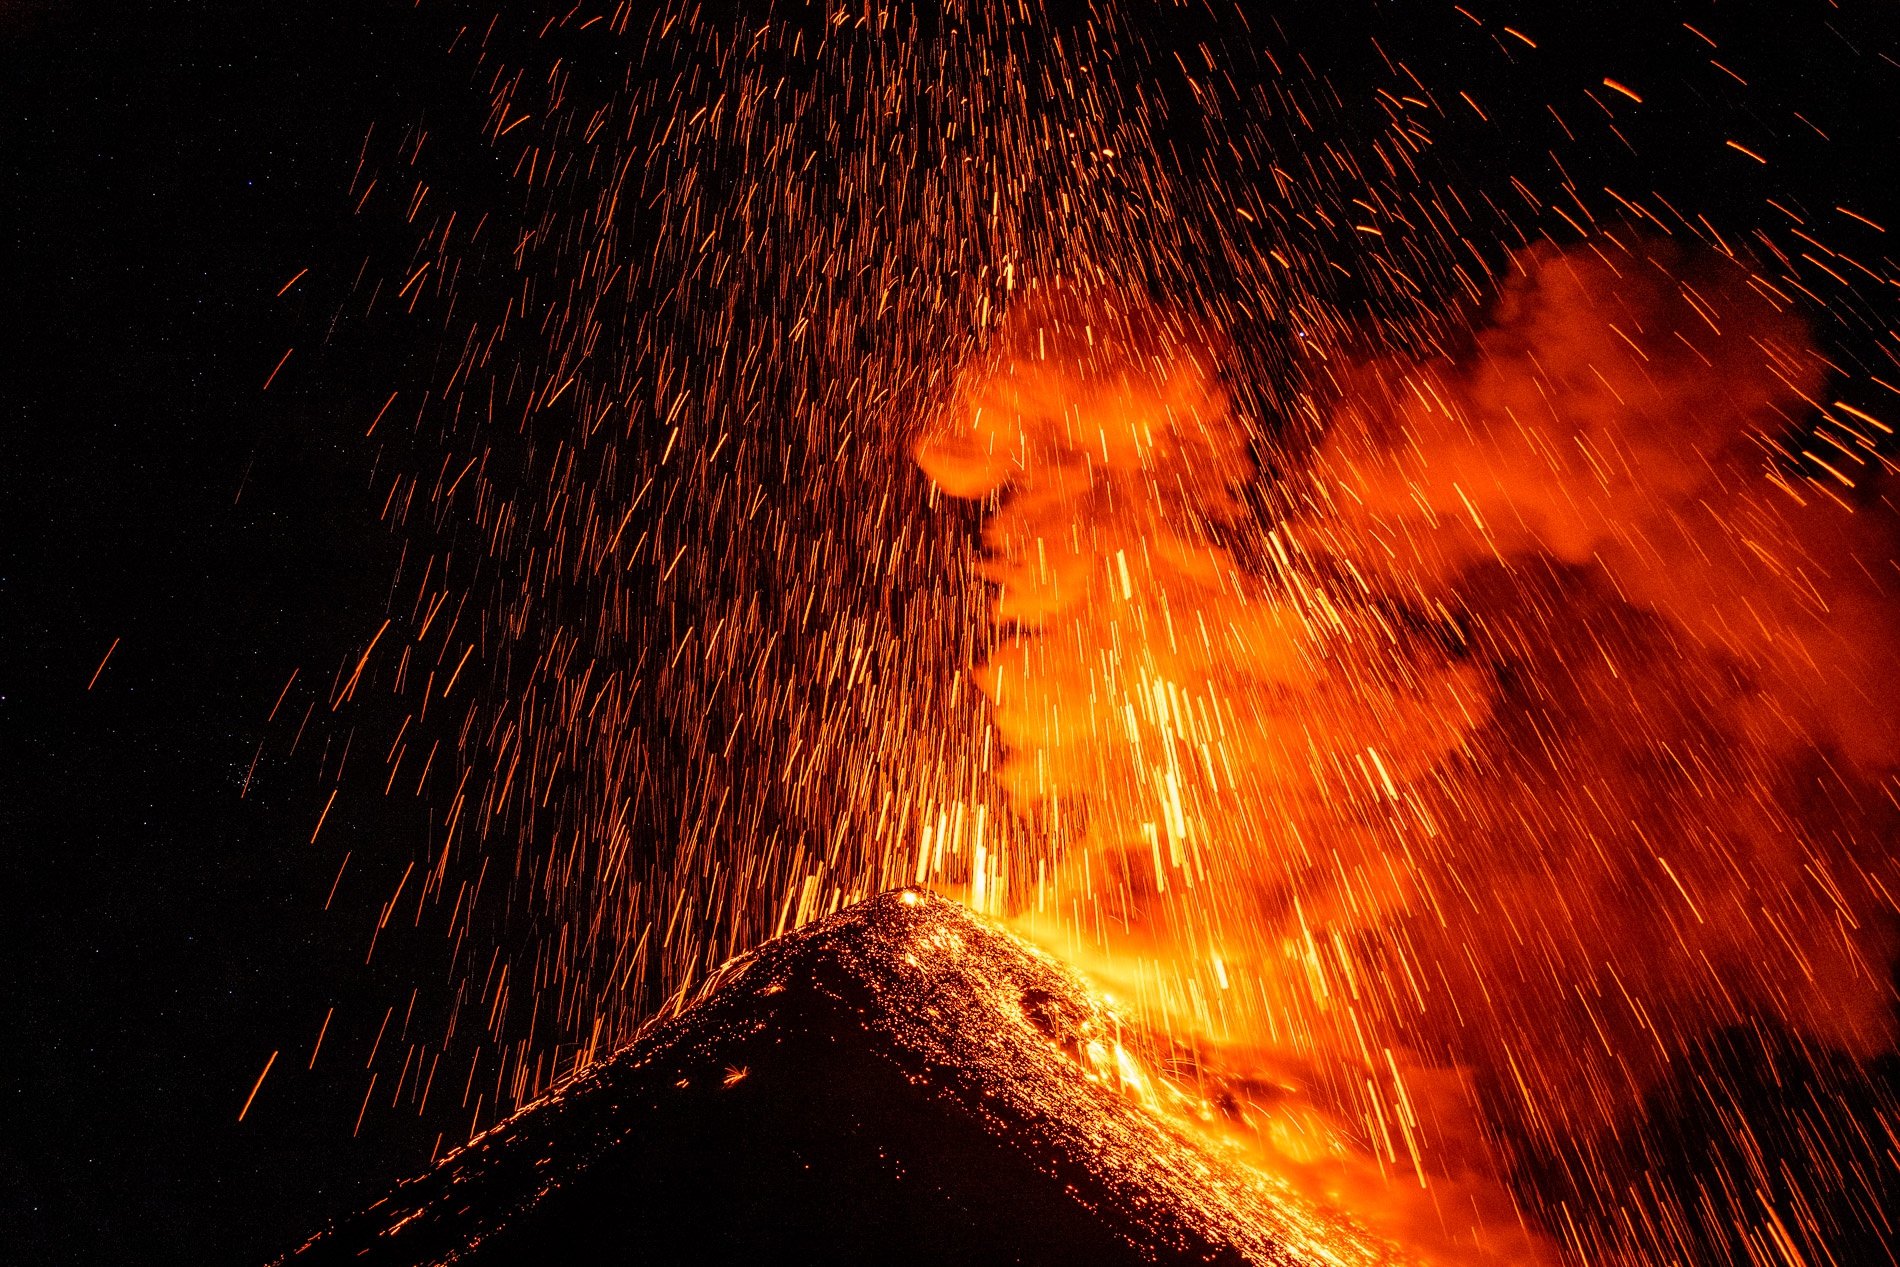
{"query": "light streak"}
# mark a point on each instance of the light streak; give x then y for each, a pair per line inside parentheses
(256, 1086)
(102, 664)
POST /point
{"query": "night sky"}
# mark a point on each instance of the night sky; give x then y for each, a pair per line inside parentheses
(170, 168)
(187, 500)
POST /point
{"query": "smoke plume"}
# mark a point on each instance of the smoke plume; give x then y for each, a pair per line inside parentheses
(1532, 724)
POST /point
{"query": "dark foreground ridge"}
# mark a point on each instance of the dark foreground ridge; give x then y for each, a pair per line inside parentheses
(900, 1082)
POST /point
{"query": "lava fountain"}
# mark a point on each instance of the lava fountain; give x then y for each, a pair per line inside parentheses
(1432, 636)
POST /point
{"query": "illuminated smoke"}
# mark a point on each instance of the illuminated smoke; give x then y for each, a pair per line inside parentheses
(1535, 729)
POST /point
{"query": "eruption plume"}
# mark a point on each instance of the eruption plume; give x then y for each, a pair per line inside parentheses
(1438, 684)
(1522, 729)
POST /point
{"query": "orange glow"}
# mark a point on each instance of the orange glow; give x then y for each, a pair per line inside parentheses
(1449, 783)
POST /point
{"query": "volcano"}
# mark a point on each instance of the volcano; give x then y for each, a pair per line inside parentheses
(899, 1082)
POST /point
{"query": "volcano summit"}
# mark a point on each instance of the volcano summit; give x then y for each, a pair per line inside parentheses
(898, 1082)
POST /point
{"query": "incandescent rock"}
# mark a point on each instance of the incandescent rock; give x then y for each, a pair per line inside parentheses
(900, 1082)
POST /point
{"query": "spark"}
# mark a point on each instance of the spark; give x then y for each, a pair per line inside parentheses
(256, 1086)
(102, 664)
